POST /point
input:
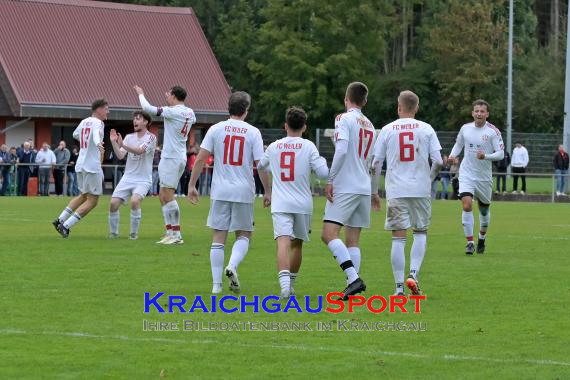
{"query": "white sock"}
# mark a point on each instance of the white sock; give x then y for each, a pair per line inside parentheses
(340, 253)
(136, 216)
(355, 257)
(167, 224)
(418, 252)
(293, 277)
(72, 220)
(174, 217)
(239, 250)
(217, 262)
(285, 281)
(398, 259)
(468, 222)
(114, 218)
(484, 221)
(65, 214)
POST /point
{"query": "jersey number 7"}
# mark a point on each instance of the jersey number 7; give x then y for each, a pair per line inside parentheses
(231, 143)
(407, 150)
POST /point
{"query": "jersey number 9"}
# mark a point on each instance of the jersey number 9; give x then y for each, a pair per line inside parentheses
(287, 162)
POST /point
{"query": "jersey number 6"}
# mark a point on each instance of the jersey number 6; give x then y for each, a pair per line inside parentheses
(407, 151)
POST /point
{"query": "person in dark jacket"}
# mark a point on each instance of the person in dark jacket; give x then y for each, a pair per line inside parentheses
(62, 156)
(25, 156)
(561, 170)
(502, 167)
(72, 186)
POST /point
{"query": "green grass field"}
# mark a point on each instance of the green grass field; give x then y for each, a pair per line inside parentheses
(73, 309)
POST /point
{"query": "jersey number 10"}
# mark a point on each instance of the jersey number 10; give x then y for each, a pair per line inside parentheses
(231, 143)
(407, 151)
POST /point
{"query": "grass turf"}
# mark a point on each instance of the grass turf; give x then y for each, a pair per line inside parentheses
(74, 308)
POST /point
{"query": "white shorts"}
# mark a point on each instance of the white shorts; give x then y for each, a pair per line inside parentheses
(125, 189)
(404, 213)
(230, 216)
(352, 210)
(169, 171)
(296, 226)
(90, 183)
(482, 190)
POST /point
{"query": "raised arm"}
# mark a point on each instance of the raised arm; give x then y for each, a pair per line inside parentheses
(145, 105)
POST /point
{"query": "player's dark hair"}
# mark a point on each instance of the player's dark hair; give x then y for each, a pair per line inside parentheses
(239, 103)
(145, 115)
(357, 92)
(296, 118)
(481, 102)
(98, 104)
(408, 100)
(179, 93)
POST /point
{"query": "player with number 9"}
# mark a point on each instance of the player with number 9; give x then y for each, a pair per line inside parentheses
(290, 161)
(236, 145)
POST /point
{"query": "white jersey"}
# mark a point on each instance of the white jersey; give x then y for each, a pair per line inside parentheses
(354, 176)
(406, 145)
(139, 166)
(235, 145)
(488, 139)
(178, 121)
(90, 133)
(291, 160)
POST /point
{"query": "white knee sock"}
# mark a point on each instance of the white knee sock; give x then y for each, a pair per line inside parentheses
(484, 221)
(340, 253)
(72, 220)
(114, 218)
(355, 257)
(398, 259)
(418, 252)
(239, 251)
(174, 217)
(65, 214)
(468, 222)
(284, 281)
(167, 223)
(217, 262)
(136, 216)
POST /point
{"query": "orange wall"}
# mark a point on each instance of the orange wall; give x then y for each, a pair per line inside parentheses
(43, 132)
(2, 135)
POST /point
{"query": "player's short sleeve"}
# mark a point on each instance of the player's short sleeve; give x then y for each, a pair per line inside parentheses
(434, 144)
(98, 132)
(257, 146)
(208, 142)
(341, 129)
(316, 161)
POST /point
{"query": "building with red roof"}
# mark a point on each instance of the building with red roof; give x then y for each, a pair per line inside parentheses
(57, 56)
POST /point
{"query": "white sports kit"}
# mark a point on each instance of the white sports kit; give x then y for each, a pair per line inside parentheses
(137, 178)
(235, 145)
(351, 185)
(407, 144)
(90, 133)
(291, 160)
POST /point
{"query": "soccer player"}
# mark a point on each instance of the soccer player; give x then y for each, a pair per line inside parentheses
(178, 120)
(406, 144)
(348, 189)
(483, 143)
(90, 134)
(236, 145)
(290, 161)
(136, 181)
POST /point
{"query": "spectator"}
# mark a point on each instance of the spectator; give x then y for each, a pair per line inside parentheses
(155, 180)
(62, 156)
(25, 157)
(434, 186)
(183, 182)
(502, 167)
(191, 162)
(72, 189)
(561, 170)
(5, 165)
(46, 160)
(519, 163)
(259, 190)
(206, 176)
(445, 176)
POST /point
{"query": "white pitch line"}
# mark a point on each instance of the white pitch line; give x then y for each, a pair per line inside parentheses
(445, 357)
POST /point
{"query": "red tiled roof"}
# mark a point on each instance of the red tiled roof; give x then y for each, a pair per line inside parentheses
(68, 53)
